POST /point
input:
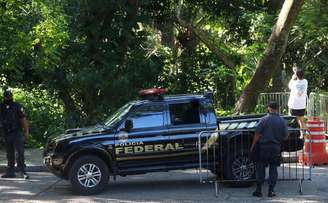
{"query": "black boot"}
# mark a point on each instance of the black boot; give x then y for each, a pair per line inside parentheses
(258, 191)
(8, 175)
(271, 192)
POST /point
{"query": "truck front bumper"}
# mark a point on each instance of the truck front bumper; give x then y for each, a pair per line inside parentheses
(55, 165)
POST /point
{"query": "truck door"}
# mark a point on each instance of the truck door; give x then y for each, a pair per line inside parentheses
(143, 146)
(185, 123)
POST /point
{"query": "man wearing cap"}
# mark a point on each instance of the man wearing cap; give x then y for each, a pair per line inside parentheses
(15, 128)
(270, 132)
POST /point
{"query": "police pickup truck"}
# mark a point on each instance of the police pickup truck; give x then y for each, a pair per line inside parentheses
(156, 133)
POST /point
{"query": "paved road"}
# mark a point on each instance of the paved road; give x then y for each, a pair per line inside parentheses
(177, 186)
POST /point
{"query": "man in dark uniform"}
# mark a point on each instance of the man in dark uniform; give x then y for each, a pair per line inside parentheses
(270, 132)
(15, 128)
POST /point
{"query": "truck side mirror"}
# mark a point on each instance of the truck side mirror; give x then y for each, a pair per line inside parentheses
(128, 125)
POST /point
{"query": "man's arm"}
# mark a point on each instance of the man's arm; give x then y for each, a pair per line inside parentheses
(258, 132)
(23, 120)
(24, 124)
(256, 138)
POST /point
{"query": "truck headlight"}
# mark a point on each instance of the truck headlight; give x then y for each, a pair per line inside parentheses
(56, 161)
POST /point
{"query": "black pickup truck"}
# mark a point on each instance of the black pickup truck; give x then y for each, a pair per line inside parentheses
(156, 133)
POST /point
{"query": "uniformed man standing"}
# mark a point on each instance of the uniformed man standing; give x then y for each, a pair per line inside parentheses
(270, 132)
(15, 127)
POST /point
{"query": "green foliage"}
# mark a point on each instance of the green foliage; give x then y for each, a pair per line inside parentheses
(221, 112)
(74, 61)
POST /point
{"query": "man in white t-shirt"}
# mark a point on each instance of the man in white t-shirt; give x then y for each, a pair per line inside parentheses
(298, 96)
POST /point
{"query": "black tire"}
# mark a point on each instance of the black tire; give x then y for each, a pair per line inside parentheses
(89, 175)
(239, 169)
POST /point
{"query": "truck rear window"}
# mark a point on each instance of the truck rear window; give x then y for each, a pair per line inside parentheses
(184, 113)
(148, 116)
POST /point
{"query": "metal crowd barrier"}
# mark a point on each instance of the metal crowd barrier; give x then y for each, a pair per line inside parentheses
(318, 107)
(225, 159)
(317, 104)
(280, 97)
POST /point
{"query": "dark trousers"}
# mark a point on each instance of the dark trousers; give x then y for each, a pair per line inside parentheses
(15, 143)
(269, 155)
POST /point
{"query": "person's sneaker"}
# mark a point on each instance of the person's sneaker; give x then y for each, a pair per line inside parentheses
(22, 175)
(257, 194)
(271, 194)
(26, 176)
(8, 175)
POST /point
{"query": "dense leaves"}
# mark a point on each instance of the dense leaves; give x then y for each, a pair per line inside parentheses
(81, 60)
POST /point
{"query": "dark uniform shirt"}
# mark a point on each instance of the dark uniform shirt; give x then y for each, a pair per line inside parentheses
(10, 117)
(273, 129)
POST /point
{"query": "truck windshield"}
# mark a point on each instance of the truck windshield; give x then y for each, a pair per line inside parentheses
(118, 115)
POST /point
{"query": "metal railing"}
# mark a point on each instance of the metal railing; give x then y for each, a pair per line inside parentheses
(280, 97)
(317, 104)
(318, 107)
(223, 159)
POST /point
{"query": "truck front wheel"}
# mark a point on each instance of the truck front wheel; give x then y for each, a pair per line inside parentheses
(239, 168)
(89, 175)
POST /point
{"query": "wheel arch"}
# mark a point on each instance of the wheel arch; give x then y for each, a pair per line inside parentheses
(232, 143)
(95, 151)
(239, 140)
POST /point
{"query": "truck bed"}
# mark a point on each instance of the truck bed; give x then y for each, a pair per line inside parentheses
(247, 121)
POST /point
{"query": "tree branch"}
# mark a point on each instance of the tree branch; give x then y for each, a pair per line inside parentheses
(204, 37)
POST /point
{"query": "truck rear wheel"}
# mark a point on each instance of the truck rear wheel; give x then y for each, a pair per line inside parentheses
(239, 169)
(89, 175)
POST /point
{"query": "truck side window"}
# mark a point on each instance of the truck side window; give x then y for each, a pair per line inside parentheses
(147, 116)
(185, 113)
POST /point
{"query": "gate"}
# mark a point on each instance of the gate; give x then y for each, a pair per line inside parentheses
(224, 157)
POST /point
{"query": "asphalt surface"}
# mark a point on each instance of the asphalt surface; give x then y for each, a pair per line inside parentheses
(175, 186)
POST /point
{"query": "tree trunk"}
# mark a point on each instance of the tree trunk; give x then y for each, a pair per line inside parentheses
(271, 58)
(167, 33)
(277, 80)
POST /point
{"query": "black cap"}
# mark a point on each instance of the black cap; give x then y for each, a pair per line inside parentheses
(273, 105)
(7, 93)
